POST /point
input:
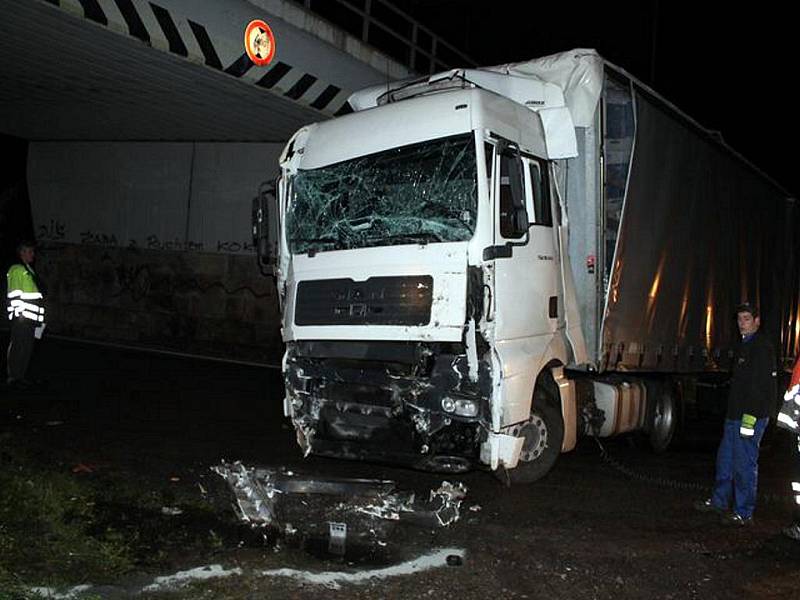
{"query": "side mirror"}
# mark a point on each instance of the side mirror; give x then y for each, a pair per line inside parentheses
(266, 227)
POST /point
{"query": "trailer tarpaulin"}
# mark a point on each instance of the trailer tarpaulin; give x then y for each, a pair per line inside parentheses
(701, 231)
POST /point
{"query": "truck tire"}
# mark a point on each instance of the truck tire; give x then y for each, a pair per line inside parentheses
(662, 415)
(543, 433)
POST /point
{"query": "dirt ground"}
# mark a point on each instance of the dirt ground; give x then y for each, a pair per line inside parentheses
(131, 438)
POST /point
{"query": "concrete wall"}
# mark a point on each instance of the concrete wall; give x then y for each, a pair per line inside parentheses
(215, 305)
(157, 196)
(150, 244)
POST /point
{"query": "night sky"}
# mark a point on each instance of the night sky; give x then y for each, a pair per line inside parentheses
(730, 66)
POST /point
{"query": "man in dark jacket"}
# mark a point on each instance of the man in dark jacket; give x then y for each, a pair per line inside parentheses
(750, 401)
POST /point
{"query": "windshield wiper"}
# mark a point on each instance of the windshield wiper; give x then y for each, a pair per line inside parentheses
(419, 237)
(317, 240)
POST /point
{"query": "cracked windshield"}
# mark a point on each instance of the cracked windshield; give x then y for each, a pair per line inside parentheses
(416, 194)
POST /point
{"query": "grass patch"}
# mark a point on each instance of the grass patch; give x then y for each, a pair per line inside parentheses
(59, 528)
(49, 533)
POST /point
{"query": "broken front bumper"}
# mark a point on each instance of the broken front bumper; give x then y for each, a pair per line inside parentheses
(416, 404)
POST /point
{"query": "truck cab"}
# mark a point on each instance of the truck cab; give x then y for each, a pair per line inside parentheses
(422, 285)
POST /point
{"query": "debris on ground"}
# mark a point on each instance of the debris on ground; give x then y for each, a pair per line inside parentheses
(334, 514)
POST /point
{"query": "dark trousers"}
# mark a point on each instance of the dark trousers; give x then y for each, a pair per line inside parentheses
(20, 348)
(736, 482)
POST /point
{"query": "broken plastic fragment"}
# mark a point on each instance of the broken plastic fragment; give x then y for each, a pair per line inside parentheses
(448, 498)
(304, 436)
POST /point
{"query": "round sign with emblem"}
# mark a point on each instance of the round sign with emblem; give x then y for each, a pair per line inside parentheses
(259, 43)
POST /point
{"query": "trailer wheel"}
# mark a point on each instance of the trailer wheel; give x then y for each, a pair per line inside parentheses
(543, 433)
(662, 415)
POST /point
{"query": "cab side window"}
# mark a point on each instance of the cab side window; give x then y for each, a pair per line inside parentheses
(543, 214)
(513, 216)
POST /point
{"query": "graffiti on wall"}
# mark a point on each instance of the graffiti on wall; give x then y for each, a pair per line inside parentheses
(55, 230)
(139, 281)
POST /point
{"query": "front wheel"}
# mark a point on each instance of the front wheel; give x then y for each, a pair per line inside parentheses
(543, 433)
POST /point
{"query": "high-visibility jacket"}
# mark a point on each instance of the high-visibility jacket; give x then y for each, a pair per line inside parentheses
(795, 375)
(25, 301)
(789, 418)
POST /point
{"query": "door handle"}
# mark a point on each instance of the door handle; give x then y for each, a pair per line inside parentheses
(553, 307)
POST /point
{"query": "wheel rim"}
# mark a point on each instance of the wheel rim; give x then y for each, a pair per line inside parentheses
(663, 420)
(535, 433)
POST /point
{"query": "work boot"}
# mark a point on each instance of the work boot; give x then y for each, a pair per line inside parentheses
(736, 520)
(706, 506)
(792, 532)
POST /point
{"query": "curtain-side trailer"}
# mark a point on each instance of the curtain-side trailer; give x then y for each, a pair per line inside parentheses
(477, 267)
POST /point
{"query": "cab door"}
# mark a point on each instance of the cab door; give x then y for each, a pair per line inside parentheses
(525, 260)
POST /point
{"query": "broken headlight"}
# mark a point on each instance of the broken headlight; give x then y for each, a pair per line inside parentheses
(460, 406)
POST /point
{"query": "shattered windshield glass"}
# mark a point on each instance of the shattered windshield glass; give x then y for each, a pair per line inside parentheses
(415, 194)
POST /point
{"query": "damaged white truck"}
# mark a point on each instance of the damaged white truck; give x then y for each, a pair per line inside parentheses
(476, 268)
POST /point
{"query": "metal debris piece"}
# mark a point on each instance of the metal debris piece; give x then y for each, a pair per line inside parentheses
(390, 506)
(171, 511)
(336, 512)
(254, 492)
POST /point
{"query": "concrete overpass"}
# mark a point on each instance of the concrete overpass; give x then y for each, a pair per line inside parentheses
(172, 70)
(148, 133)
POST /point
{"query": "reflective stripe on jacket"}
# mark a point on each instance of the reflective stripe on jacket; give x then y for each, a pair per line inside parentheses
(24, 298)
(789, 415)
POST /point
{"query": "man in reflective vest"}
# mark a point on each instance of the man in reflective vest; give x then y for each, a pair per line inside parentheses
(750, 402)
(789, 419)
(26, 313)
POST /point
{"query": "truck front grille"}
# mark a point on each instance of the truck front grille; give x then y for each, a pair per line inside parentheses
(376, 301)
